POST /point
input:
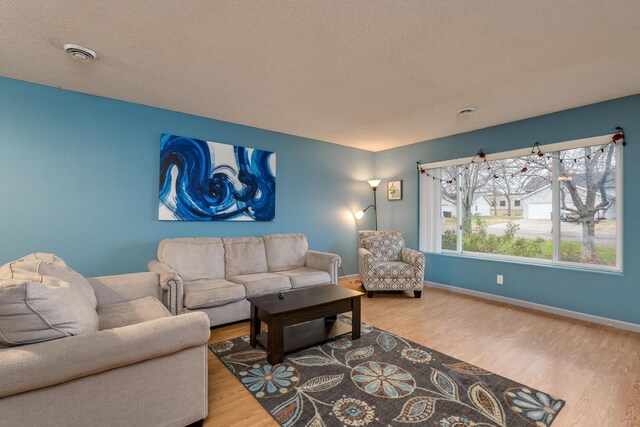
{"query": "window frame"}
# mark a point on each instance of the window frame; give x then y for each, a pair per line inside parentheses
(433, 244)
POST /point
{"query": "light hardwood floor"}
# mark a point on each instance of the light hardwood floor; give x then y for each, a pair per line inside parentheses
(594, 368)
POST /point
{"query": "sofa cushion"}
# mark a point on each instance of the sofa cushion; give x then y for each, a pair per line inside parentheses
(385, 246)
(244, 255)
(211, 293)
(44, 264)
(393, 269)
(194, 258)
(304, 276)
(262, 283)
(36, 307)
(285, 251)
(131, 312)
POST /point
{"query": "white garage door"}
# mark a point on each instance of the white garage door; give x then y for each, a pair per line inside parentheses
(539, 211)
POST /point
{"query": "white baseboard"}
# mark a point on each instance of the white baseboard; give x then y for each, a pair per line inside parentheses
(634, 327)
(349, 277)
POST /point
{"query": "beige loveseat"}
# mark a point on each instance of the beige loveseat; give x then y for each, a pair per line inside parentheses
(142, 366)
(216, 275)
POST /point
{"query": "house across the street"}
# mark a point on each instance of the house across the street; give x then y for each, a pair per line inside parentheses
(537, 204)
(481, 206)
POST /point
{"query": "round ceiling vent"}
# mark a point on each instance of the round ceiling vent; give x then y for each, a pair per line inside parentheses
(80, 53)
(465, 111)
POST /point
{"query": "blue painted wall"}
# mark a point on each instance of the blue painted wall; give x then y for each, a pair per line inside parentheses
(611, 295)
(79, 178)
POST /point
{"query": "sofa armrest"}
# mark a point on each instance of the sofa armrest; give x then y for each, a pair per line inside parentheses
(414, 258)
(125, 287)
(366, 262)
(45, 364)
(172, 284)
(326, 262)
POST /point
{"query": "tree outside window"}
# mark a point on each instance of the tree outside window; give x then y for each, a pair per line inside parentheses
(506, 206)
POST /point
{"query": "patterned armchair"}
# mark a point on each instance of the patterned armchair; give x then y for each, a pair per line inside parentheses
(386, 265)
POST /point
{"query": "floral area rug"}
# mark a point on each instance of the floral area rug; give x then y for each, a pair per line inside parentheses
(382, 379)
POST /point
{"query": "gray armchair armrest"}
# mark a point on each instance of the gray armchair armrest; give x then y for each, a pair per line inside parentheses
(326, 262)
(40, 365)
(171, 283)
(125, 287)
(414, 258)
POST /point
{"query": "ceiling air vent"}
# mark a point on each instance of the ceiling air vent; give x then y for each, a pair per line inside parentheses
(465, 111)
(80, 53)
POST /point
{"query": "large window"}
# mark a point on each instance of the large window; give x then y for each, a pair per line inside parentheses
(558, 204)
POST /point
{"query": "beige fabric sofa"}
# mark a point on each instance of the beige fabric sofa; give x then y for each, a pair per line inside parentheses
(216, 275)
(142, 366)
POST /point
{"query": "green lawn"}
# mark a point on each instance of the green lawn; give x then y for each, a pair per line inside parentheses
(529, 248)
(570, 251)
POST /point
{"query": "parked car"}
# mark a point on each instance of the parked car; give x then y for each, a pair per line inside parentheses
(569, 217)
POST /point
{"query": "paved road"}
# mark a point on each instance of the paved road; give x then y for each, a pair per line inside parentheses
(532, 228)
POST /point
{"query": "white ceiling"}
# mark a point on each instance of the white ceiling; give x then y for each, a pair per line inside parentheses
(372, 74)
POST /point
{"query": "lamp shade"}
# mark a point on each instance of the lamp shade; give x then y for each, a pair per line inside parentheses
(374, 183)
(359, 214)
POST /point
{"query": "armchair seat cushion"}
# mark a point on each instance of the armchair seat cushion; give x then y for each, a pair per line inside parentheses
(262, 283)
(394, 269)
(211, 293)
(305, 276)
(127, 313)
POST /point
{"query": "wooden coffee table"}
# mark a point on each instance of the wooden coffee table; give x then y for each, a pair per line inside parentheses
(303, 318)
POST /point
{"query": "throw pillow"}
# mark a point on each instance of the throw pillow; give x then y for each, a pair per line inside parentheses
(41, 301)
(45, 264)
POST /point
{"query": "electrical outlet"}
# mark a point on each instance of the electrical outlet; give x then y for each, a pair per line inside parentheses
(500, 279)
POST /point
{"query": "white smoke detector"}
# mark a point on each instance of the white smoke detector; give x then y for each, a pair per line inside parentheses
(465, 111)
(80, 53)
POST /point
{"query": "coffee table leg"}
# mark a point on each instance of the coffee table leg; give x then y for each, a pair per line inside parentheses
(275, 350)
(355, 321)
(254, 328)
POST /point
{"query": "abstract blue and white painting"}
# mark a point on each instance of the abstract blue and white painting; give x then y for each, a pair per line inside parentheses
(209, 181)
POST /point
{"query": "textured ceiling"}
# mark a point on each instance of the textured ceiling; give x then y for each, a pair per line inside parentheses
(371, 74)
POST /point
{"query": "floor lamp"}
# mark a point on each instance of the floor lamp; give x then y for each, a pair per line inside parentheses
(374, 186)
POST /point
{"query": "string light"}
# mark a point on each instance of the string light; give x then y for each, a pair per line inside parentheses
(535, 151)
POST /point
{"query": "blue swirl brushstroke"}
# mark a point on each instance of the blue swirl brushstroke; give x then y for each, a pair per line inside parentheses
(206, 192)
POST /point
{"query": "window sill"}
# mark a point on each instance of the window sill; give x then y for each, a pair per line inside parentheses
(532, 262)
